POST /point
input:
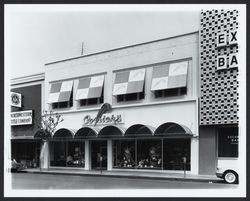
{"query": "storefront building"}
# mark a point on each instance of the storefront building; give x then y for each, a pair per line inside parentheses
(145, 100)
(26, 105)
(218, 132)
(166, 105)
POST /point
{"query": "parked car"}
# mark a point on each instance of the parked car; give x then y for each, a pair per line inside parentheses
(15, 166)
(229, 174)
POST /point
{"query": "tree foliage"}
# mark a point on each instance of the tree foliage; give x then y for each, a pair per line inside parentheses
(48, 121)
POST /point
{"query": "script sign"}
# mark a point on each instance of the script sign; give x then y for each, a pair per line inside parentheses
(109, 118)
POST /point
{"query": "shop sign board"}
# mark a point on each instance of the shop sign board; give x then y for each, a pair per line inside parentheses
(21, 118)
(108, 118)
(232, 61)
(233, 139)
(15, 99)
(224, 40)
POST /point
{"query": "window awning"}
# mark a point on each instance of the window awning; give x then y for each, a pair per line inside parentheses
(90, 87)
(173, 129)
(60, 91)
(139, 130)
(87, 132)
(129, 82)
(111, 131)
(64, 133)
(169, 76)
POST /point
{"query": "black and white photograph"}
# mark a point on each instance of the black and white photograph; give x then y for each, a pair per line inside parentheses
(125, 100)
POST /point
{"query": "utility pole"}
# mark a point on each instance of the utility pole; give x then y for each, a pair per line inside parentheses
(82, 48)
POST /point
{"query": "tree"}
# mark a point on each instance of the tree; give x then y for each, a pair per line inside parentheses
(47, 123)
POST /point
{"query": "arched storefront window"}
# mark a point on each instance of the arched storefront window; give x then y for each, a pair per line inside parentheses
(144, 147)
(65, 151)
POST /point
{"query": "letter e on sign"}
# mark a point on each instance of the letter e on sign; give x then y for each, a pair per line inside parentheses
(221, 39)
(222, 62)
(233, 37)
(233, 60)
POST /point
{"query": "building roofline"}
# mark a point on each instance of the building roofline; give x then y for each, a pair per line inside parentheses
(28, 78)
(120, 48)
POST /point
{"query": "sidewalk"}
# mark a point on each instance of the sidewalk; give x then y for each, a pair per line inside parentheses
(128, 174)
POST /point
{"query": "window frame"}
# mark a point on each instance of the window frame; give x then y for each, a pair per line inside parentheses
(58, 105)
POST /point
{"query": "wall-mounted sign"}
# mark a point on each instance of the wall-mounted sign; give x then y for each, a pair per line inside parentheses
(15, 99)
(232, 39)
(108, 118)
(21, 118)
(233, 139)
(224, 39)
(221, 39)
(232, 62)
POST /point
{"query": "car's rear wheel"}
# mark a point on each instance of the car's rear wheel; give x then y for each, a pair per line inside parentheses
(230, 177)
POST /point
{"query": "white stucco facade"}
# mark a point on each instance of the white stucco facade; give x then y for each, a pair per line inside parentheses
(150, 111)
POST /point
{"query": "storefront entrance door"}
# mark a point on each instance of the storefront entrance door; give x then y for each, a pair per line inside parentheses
(99, 154)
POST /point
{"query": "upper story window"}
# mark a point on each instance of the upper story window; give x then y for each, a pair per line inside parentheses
(170, 79)
(90, 90)
(129, 85)
(61, 95)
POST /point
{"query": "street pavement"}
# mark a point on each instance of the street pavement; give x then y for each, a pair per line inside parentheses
(49, 181)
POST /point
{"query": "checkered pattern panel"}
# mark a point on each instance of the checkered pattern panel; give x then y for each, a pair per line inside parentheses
(60, 92)
(129, 82)
(169, 76)
(218, 89)
(90, 87)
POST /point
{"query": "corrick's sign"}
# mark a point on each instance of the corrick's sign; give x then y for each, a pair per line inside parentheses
(108, 118)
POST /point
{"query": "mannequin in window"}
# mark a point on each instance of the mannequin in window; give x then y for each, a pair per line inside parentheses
(127, 158)
(154, 157)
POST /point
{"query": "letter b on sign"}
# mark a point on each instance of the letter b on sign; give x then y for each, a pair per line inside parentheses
(221, 62)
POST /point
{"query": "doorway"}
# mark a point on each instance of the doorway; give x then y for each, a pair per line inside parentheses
(99, 154)
(174, 150)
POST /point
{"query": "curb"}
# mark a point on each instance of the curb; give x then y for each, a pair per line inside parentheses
(132, 176)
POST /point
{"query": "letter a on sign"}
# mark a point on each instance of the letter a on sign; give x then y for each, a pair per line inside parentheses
(233, 61)
(233, 37)
(221, 39)
(222, 62)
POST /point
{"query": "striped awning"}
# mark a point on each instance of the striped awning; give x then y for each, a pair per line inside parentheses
(60, 91)
(129, 82)
(169, 76)
(90, 87)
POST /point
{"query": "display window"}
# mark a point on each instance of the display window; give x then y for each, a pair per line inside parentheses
(165, 154)
(124, 154)
(228, 142)
(26, 153)
(149, 154)
(67, 153)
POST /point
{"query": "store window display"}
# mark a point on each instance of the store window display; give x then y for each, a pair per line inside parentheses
(149, 154)
(124, 153)
(67, 154)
